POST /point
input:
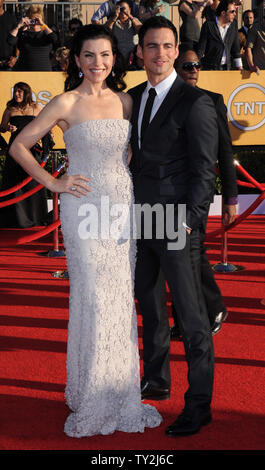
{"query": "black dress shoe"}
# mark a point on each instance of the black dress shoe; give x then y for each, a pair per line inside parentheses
(175, 333)
(189, 422)
(150, 392)
(217, 324)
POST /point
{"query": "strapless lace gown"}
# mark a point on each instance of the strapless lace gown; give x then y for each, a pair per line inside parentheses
(103, 380)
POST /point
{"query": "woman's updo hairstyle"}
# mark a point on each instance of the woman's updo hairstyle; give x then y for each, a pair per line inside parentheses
(94, 31)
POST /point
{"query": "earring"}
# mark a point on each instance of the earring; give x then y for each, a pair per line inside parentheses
(80, 74)
(113, 73)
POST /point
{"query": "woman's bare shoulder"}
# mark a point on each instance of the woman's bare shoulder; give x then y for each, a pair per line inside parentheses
(66, 99)
(60, 106)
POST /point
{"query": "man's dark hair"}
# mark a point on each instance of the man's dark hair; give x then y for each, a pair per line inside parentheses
(245, 12)
(75, 21)
(156, 22)
(129, 3)
(223, 6)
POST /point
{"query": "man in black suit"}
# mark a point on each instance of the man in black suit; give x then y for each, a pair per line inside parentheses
(248, 22)
(173, 163)
(187, 66)
(219, 40)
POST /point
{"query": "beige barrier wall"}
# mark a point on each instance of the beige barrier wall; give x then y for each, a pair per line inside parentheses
(243, 92)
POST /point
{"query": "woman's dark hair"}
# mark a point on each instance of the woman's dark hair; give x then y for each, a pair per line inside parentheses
(156, 22)
(129, 3)
(94, 31)
(27, 97)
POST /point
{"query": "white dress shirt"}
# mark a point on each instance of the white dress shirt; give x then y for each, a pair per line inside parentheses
(161, 89)
(223, 31)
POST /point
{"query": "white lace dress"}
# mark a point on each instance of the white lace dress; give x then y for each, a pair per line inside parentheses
(103, 380)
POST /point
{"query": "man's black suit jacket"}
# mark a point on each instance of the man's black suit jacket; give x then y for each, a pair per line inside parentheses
(177, 160)
(225, 150)
(211, 46)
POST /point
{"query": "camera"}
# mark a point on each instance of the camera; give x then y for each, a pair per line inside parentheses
(31, 21)
(122, 8)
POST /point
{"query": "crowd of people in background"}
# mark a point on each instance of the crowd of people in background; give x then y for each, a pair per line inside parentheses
(209, 27)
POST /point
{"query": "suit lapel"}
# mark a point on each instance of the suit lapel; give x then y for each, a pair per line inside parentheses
(213, 28)
(135, 113)
(228, 34)
(172, 97)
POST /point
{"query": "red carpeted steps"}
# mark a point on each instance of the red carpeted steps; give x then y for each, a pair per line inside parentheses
(33, 337)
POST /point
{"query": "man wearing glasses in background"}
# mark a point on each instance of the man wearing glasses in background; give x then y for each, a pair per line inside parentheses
(219, 41)
(187, 66)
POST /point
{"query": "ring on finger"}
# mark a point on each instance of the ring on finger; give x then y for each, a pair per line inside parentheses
(73, 188)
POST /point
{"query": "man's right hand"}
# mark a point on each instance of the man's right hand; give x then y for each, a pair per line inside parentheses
(228, 213)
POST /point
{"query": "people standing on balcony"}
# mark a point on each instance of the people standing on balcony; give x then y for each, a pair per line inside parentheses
(34, 40)
(125, 28)
(8, 22)
(107, 10)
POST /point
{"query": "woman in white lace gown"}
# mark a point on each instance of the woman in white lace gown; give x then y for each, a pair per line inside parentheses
(103, 380)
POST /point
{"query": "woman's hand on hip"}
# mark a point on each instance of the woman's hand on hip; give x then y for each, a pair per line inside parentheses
(72, 184)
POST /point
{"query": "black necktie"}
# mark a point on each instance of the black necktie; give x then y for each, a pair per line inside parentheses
(147, 112)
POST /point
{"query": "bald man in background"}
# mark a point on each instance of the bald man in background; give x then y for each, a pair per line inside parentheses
(187, 66)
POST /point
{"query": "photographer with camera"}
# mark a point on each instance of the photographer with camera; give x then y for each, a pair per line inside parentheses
(34, 40)
(125, 28)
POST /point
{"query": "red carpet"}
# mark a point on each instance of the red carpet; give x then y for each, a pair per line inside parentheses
(33, 319)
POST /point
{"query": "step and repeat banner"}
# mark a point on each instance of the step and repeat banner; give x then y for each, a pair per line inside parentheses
(243, 92)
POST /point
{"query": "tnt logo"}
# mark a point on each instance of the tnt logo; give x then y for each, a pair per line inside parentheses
(246, 107)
